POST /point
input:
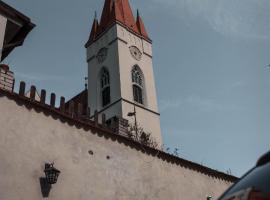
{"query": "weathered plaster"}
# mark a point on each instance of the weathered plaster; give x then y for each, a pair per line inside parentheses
(28, 139)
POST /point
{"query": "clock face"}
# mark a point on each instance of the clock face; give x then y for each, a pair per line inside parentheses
(102, 54)
(135, 52)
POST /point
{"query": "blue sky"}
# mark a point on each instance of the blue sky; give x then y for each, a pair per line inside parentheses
(210, 63)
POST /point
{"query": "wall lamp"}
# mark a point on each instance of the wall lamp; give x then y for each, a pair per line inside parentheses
(51, 173)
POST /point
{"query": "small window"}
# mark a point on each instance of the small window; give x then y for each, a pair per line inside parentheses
(105, 78)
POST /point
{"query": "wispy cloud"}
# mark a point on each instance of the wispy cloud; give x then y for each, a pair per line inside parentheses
(167, 104)
(38, 77)
(196, 102)
(238, 18)
(238, 84)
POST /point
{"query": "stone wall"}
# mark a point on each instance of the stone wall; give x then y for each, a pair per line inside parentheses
(31, 135)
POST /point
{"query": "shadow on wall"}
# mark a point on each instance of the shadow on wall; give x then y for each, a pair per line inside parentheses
(45, 187)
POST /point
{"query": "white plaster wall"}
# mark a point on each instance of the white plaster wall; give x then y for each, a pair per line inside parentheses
(3, 23)
(126, 63)
(147, 120)
(29, 139)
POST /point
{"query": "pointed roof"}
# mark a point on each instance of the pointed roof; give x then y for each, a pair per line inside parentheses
(126, 11)
(106, 14)
(94, 30)
(141, 26)
(117, 11)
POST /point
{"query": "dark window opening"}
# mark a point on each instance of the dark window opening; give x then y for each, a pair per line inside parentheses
(137, 94)
(106, 96)
(105, 87)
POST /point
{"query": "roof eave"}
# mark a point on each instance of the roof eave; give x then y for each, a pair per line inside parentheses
(13, 15)
(17, 41)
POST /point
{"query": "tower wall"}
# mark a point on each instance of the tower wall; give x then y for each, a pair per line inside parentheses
(147, 115)
(111, 63)
(120, 62)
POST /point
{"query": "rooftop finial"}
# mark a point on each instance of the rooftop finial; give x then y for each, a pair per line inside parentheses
(138, 13)
(95, 14)
(86, 83)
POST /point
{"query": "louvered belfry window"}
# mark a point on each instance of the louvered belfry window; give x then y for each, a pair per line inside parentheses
(137, 84)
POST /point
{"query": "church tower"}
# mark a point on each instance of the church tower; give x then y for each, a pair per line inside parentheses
(120, 68)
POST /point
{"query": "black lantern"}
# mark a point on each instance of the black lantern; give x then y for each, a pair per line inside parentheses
(51, 173)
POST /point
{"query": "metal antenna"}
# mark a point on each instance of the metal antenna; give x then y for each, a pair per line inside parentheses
(86, 82)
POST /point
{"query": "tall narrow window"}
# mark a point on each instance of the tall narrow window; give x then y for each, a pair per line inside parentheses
(105, 87)
(137, 80)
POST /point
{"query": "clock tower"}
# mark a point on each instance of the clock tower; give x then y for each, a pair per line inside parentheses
(120, 68)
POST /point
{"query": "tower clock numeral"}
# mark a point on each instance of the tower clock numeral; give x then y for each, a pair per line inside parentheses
(136, 53)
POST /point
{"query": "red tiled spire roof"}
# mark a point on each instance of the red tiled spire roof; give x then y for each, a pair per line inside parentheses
(94, 30)
(117, 11)
(126, 11)
(106, 15)
(116, 14)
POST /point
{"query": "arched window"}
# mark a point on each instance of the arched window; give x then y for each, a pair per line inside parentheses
(105, 87)
(137, 84)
